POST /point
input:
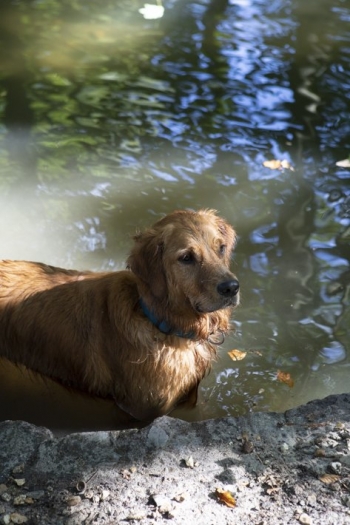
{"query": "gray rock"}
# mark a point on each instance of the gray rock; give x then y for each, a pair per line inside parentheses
(142, 475)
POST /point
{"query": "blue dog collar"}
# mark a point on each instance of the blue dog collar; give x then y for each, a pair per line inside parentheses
(163, 326)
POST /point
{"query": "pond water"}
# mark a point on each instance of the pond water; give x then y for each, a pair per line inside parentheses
(108, 121)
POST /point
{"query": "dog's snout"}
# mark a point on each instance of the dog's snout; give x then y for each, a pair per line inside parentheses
(228, 288)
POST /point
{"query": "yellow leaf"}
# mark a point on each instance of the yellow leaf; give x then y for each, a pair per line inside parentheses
(286, 378)
(329, 478)
(224, 496)
(343, 163)
(278, 165)
(237, 355)
(286, 165)
(273, 164)
(152, 11)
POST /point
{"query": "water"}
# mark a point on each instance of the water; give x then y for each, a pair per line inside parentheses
(109, 121)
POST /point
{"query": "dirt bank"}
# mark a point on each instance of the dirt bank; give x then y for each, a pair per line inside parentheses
(271, 468)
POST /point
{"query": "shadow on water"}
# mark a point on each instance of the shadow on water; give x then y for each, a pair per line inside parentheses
(108, 121)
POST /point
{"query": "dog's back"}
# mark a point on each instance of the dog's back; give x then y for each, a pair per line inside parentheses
(19, 279)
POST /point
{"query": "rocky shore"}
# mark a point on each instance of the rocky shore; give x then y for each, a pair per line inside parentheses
(262, 469)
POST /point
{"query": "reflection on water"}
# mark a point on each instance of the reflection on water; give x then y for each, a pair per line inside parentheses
(108, 121)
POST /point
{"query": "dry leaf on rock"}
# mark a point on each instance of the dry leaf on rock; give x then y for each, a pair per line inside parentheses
(271, 483)
(286, 378)
(320, 453)
(225, 497)
(237, 355)
(327, 479)
(247, 445)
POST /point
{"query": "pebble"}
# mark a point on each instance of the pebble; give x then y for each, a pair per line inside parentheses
(73, 500)
(284, 447)
(23, 499)
(35, 494)
(104, 495)
(162, 502)
(19, 482)
(89, 494)
(189, 462)
(136, 516)
(335, 467)
(19, 469)
(312, 500)
(305, 519)
(180, 497)
(18, 518)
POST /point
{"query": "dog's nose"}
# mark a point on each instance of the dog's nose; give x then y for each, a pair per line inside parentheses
(228, 288)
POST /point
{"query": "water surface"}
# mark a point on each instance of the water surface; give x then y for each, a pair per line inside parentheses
(108, 121)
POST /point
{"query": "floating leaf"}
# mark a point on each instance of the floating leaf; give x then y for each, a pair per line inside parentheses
(237, 355)
(224, 496)
(286, 378)
(272, 164)
(329, 478)
(286, 165)
(152, 11)
(278, 165)
(343, 163)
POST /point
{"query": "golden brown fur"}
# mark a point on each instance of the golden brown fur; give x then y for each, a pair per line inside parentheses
(88, 330)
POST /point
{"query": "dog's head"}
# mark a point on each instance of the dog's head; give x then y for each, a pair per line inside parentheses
(183, 263)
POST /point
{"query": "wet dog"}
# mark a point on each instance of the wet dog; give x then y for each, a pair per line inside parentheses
(145, 336)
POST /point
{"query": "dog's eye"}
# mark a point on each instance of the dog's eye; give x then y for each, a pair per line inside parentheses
(222, 249)
(187, 258)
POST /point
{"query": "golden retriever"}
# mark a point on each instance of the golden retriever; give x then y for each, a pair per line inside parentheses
(145, 336)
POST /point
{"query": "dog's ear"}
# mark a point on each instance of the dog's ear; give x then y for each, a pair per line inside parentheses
(146, 261)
